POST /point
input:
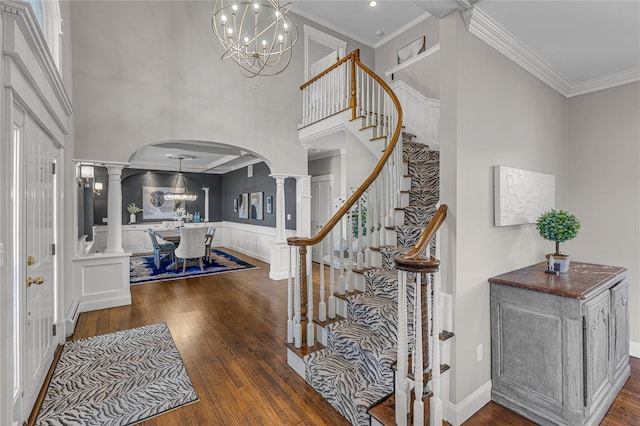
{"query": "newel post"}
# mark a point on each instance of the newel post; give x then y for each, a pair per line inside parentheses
(353, 102)
(302, 268)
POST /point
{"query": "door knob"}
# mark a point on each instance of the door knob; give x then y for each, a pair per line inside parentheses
(37, 281)
(31, 260)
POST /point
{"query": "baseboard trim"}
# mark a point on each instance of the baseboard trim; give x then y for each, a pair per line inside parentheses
(634, 349)
(71, 318)
(459, 413)
(111, 302)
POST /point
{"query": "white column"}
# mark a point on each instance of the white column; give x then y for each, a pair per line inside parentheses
(114, 210)
(280, 210)
(206, 204)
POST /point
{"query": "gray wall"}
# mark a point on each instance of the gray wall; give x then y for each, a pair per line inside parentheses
(604, 183)
(492, 113)
(237, 182)
(133, 180)
(222, 190)
(423, 76)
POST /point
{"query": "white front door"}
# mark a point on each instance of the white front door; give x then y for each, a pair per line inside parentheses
(34, 293)
(321, 211)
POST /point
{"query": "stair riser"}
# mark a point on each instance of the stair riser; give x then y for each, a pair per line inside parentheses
(384, 286)
(418, 215)
(422, 198)
(381, 319)
(357, 344)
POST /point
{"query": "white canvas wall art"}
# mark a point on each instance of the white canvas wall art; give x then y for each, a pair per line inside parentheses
(520, 196)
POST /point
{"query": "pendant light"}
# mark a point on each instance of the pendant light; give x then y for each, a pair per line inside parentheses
(179, 191)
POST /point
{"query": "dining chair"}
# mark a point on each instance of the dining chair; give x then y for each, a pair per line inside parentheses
(191, 246)
(208, 239)
(160, 251)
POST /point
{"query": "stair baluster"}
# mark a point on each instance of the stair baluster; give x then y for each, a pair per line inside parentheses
(290, 297)
(322, 306)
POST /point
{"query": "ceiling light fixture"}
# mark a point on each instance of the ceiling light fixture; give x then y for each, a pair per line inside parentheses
(373, 3)
(179, 191)
(256, 35)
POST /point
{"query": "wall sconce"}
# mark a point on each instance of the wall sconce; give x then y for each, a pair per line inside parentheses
(86, 173)
(97, 188)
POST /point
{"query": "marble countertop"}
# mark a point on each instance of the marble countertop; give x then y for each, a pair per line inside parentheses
(582, 279)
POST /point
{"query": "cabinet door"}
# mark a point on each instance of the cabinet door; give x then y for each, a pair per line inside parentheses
(619, 326)
(597, 368)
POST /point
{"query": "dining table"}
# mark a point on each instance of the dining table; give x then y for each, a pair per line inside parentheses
(170, 235)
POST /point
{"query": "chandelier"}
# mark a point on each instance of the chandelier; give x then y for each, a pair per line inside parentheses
(179, 191)
(257, 35)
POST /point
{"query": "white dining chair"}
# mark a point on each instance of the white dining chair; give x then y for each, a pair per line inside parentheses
(191, 246)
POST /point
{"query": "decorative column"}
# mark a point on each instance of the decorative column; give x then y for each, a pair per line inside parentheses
(280, 209)
(280, 252)
(114, 209)
(206, 204)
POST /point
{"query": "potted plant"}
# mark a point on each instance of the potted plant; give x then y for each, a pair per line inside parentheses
(558, 226)
(133, 209)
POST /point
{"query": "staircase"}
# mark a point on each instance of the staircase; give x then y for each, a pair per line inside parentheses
(355, 371)
(367, 330)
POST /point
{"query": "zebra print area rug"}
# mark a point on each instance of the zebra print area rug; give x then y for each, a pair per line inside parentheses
(117, 379)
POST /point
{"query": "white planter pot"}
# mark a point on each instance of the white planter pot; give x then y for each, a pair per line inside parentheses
(132, 218)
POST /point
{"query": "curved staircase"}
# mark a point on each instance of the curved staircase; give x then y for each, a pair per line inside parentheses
(353, 366)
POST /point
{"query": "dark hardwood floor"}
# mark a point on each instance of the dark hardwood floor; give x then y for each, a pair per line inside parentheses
(230, 331)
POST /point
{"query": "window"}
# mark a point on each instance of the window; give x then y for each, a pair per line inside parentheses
(48, 15)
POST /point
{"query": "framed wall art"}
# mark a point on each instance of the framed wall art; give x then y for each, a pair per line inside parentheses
(154, 206)
(412, 49)
(269, 204)
(257, 206)
(243, 207)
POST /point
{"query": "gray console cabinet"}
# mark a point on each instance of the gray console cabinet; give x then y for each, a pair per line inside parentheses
(560, 347)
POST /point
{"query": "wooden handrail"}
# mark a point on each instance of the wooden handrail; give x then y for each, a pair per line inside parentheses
(353, 55)
(302, 241)
(413, 260)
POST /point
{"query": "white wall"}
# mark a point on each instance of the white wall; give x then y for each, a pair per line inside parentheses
(492, 113)
(604, 183)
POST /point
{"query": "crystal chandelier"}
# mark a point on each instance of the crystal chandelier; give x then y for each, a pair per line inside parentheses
(179, 191)
(257, 35)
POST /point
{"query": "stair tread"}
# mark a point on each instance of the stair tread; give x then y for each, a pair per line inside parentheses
(426, 375)
(446, 335)
(376, 138)
(328, 321)
(304, 350)
(385, 411)
(346, 294)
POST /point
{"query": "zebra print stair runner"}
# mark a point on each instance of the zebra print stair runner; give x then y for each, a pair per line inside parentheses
(355, 370)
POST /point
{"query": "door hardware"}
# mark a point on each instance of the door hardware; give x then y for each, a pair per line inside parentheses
(31, 260)
(37, 281)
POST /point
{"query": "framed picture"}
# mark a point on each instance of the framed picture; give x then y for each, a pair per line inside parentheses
(243, 208)
(154, 206)
(270, 204)
(412, 49)
(235, 205)
(256, 205)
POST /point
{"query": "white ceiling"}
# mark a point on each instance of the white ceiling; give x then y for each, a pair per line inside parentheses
(583, 44)
(582, 40)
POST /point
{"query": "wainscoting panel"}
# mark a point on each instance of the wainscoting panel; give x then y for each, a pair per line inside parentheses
(102, 280)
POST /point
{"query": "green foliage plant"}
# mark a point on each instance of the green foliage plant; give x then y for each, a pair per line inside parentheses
(558, 226)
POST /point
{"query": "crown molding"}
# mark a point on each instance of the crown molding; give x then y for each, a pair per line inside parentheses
(485, 28)
(606, 82)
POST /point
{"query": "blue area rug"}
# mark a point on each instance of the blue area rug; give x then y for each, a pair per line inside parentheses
(117, 379)
(142, 269)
